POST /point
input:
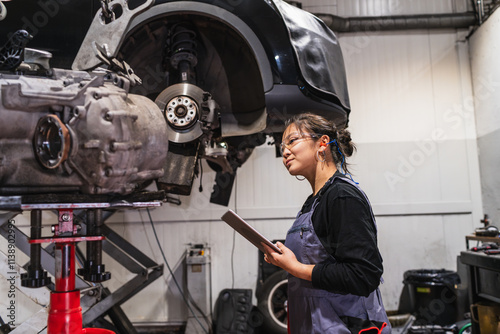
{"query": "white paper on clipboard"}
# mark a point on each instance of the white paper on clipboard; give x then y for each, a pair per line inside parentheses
(247, 231)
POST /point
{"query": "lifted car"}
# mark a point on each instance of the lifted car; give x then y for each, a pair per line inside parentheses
(224, 74)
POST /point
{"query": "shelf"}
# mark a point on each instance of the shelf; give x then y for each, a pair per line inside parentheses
(472, 237)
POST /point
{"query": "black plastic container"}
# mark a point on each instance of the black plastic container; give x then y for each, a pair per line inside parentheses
(433, 295)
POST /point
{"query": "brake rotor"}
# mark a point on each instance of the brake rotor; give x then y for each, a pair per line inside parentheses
(180, 104)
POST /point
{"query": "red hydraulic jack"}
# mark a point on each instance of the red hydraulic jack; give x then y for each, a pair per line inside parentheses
(65, 312)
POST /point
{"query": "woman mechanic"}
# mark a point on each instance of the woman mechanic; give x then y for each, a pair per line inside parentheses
(331, 251)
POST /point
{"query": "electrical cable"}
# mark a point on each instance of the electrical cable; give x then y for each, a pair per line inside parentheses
(234, 234)
(172, 273)
(464, 328)
(232, 260)
(201, 177)
(197, 307)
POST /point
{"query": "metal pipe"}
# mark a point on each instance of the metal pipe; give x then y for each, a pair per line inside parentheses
(480, 10)
(36, 233)
(90, 232)
(94, 270)
(385, 23)
(98, 244)
(94, 248)
(473, 3)
(35, 276)
(65, 267)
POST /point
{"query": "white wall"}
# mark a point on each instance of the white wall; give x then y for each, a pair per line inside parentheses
(413, 119)
(485, 52)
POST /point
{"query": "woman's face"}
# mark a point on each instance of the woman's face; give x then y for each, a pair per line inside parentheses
(299, 151)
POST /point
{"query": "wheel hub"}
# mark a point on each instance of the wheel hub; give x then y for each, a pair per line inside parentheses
(182, 112)
(180, 104)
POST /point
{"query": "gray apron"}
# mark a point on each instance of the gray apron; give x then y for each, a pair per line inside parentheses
(312, 310)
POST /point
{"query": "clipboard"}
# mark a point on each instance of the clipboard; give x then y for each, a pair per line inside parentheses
(247, 231)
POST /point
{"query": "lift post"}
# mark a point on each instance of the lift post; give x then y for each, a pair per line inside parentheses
(58, 258)
(65, 312)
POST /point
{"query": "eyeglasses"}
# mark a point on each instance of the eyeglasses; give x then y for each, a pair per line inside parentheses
(292, 139)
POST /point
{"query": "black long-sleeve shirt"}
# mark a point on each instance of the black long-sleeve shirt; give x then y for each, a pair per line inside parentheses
(343, 223)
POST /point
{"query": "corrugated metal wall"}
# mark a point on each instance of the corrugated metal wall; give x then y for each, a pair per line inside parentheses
(347, 8)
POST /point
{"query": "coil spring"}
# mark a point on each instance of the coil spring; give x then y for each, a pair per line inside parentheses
(183, 45)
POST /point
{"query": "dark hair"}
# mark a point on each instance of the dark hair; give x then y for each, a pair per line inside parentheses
(316, 124)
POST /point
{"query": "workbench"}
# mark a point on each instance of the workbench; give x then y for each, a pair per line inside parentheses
(484, 278)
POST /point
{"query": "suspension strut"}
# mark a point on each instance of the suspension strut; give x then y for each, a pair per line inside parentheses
(182, 51)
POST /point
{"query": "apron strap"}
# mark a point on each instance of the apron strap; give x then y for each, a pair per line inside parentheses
(363, 326)
(355, 184)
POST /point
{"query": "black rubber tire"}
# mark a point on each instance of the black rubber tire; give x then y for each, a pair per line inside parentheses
(272, 303)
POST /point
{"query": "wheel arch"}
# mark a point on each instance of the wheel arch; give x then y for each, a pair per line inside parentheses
(239, 117)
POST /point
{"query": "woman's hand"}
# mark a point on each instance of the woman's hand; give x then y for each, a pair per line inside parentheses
(283, 260)
(287, 261)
